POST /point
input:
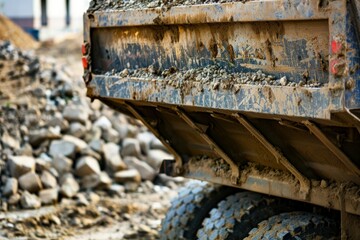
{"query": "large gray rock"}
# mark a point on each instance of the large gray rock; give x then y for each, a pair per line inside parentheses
(30, 182)
(145, 170)
(110, 135)
(42, 164)
(79, 144)
(97, 145)
(11, 187)
(86, 166)
(29, 201)
(20, 165)
(36, 137)
(103, 122)
(75, 114)
(49, 196)
(62, 164)
(131, 147)
(155, 158)
(145, 139)
(131, 175)
(112, 157)
(69, 187)
(62, 147)
(77, 129)
(48, 180)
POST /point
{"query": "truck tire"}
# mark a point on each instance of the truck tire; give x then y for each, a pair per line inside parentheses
(188, 210)
(295, 225)
(238, 214)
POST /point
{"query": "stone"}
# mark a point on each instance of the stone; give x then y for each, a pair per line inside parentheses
(97, 145)
(48, 180)
(145, 139)
(104, 181)
(131, 147)
(30, 182)
(11, 187)
(14, 199)
(89, 152)
(157, 144)
(58, 121)
(112, 157)
(75, 114)
(131, 186)
(155, 158)
(77, 130)
(93, 197)
(49, 196)
(80, 144)
(20, 165)
(62, 164)
(36, 137)
(9, 141)
(283, 81)
(86, 166)
(63, 148)
(122, 129)
(69, 187)
(103, 122)
(94, 133)
(25, 150)
(145, 170)
(42, 164)
(117, 189)
(29, 201)
(110, 135)
(131, 175)
(81, 200)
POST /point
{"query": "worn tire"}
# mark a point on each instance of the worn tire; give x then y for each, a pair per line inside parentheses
(238, 214)
(295, 225)
(189, 209)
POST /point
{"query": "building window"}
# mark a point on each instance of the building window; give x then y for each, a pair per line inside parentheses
(67, 3)
(44, 17)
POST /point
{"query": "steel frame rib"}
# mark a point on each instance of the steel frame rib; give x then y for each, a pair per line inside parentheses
(304, 182)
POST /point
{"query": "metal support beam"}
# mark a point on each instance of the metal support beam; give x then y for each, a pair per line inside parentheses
(178, 160)
(235, 173)
(332, 147)
(304, 182)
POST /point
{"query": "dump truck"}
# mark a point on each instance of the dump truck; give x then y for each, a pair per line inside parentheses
(258, 99)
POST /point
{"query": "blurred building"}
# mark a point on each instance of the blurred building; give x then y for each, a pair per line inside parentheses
(46, 19)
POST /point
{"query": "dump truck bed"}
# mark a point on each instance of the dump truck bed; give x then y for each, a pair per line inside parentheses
(263, 95)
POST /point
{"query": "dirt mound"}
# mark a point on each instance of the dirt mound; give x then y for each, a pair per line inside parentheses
(11, 32)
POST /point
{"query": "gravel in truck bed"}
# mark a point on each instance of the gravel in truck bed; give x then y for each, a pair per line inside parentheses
(101, 5)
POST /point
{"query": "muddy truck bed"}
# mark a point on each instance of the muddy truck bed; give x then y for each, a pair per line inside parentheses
(261, 95)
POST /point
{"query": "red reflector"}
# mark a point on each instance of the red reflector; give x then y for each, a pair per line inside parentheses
(336, 47)
(85, 62)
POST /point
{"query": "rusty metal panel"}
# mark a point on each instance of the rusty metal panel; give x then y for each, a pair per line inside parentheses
(290, 101)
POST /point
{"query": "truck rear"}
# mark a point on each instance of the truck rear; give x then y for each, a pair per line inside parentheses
(262, 96)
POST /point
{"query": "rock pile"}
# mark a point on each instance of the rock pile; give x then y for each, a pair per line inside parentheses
(55, 143)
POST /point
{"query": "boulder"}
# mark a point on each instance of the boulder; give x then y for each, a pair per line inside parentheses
(131, 175)
(155, 158)
(11, 187)
(62, 164)
(42, 165)
(145, 170)
(112, 157)
(30, 182)
(103, 122)
(75, 113)
(49, 196)
(145, 139)
(131, 147)
(97, 145)
(69, 187)
(77, 130)
(20, 165)
(14, 199)
(62, 147)
(79, 144)
(48, 180)
(29, 201)
(110, 135)
(86, 166)
(58, 121)
(9, 141)
(36, 137)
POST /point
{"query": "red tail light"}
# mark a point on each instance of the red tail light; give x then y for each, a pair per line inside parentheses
(85, 62)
